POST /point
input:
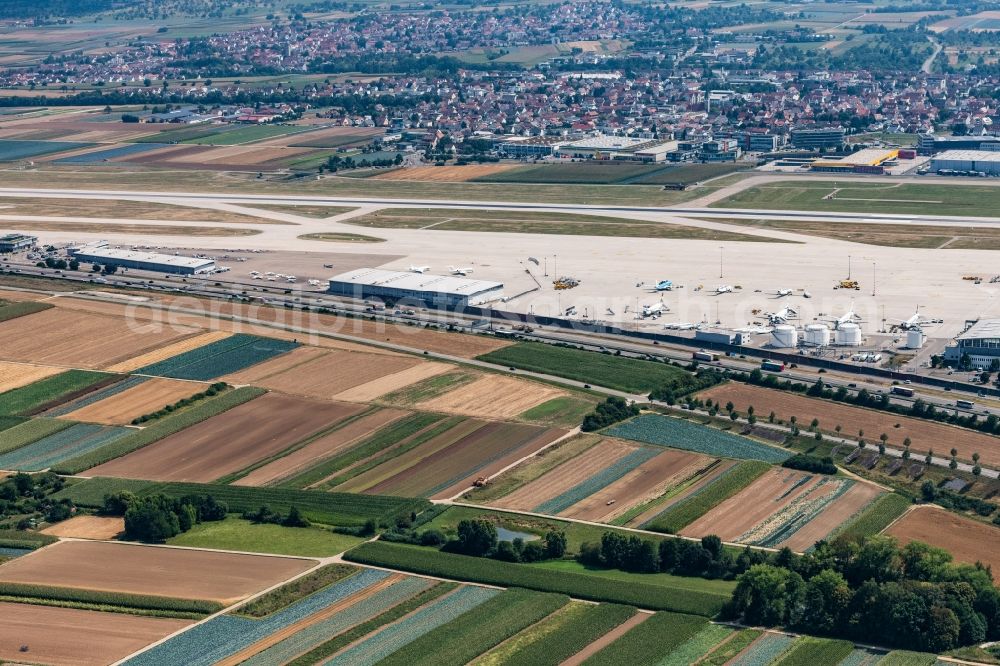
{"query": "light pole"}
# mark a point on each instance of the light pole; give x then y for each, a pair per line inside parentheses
(721, 248)
(873, 278)
(848, 267)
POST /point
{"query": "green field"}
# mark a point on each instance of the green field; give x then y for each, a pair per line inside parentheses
(302, 587)
(874, 518)
(237, 534)
(466, 637)
(120, 602)
(615, 372)
(10, 311)
(339, 237)
(34, 397)
(906, 658)
(650, 641)
(669, 581)
(722, 654)
(30, 431)
(902, 198)
(816, 652)
(431, 562)
(247, 134)
(339, 509)
(564, 411)
(610, 173)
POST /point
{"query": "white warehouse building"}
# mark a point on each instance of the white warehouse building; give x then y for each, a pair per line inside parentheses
(142, 261)
(986, 161)
(435, 290)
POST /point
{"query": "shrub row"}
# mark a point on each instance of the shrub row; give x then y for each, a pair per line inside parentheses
(211, 392)
(113, 599)
(493, 572)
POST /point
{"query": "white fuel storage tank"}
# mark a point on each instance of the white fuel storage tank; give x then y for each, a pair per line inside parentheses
(784, 335)
(849, 335)
(914, 338)
(817, 335)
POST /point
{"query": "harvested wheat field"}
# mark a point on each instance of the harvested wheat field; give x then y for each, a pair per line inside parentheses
(231, 441)
(167, 572)
(565, 476)
(857, 497)
(398, 380)
(967, 540)
(492, 397)
(16, 375)
(445, 174)
(72, 637)
(320, 449)
(770, 493)
(323, 374)
(643, 484)
(923, 434)
(149, 358)
(79, 339)
(150, 396)
(88, 527)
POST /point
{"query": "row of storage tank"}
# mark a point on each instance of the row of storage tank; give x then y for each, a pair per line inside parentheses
(820, 335)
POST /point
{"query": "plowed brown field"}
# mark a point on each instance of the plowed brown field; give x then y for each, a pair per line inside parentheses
(323, 374)
(230, 441)
(736, 515)
(146, 398)
(446, 174)
(83, 340)
(563, 477)
(967, 540)
(135, 569)
(923, 434)
(71, 637)
(87, 527)
(15, 375)
(320, 449)
(492, 397)
(643, 484)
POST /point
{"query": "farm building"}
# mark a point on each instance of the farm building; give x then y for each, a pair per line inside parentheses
(15, 242)
(981, 342)
(436, 290)
(143, 261)
(984, 161)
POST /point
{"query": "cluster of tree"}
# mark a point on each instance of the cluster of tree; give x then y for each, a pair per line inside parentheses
(479, 538)
(156, 518)
(612, 410)
(25, 499)
(59, 264)
(336, 162)
(893, 50)
(872, 591)
(211, 391)
(706, 558)
(109, 269)
(266, 516)
(685, 385)
(810, 463)
(956, 501)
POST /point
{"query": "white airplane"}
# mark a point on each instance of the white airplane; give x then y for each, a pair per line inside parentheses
(654, 310)
(419, 269)
(723, 289)
(781, 293)
(916, 320)
(782, 316)
(460, 270)
(848, 317)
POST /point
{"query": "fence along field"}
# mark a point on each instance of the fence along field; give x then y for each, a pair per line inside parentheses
(231, 441)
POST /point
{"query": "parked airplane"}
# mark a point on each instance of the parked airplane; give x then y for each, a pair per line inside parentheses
(654, 310)
(916, 320)
(664, 285)
(419, 269)
(460, 270)
(781, 293)
(723, 289)
(782, 316)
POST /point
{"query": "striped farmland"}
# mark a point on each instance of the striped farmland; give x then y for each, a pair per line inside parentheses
(96, 396)
(107, 154)
(69, 443)
(219, 358)
(765, 650)
(595, 483)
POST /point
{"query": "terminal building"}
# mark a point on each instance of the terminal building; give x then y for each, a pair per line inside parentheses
(141, 261)
(869, 160)
(982, 161)
(930, 144)
(981, 342)
(16, 243)
(434, 290)
(604, 147)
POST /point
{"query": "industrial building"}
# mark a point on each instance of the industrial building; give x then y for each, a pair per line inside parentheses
(816, 138)
(16, 242)
(982, 161)
(533, 146)
(602, 147)
(981, 342)
(869, 160)
(142, 261)
(930, 144)
(435, 290)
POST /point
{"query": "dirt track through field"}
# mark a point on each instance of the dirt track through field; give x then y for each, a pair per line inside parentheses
(16, 375)
(230, 441)
(607, 639)
(492, 397)
(924, 435)
(148, 397)
(72, 637)
(565, 476)
(321, 449)
(646, 482)
(134, 569)
(968, 540)
(768, 494)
